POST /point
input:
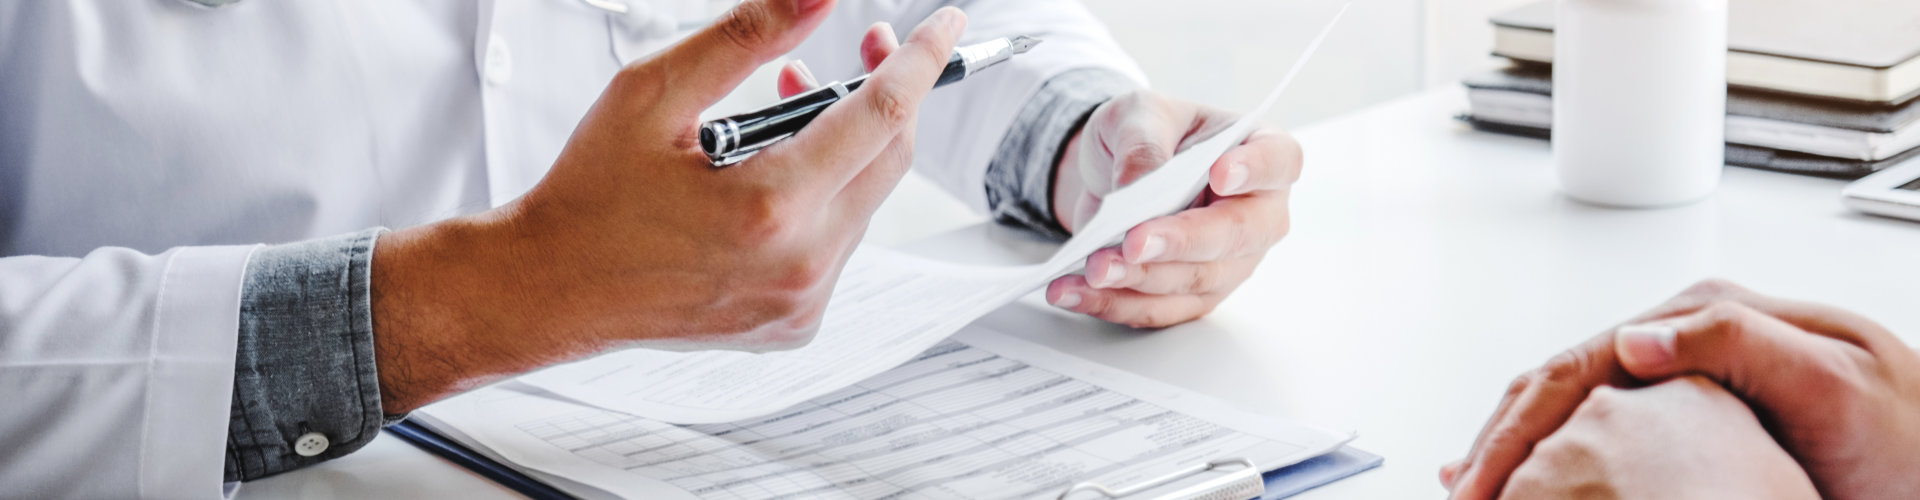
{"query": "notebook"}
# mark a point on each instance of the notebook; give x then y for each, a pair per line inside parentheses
(1521, 95)
(1851, 50)
(1736, 154)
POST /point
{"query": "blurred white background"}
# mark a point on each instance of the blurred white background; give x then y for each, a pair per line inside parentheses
(1225, 52)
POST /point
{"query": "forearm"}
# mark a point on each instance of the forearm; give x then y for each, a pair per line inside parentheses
(339, 336)
(450, 302)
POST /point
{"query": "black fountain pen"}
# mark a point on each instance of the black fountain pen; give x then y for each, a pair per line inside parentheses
(729, 140)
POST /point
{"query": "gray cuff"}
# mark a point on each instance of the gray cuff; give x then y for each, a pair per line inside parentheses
(1020, 176)
(305, 359)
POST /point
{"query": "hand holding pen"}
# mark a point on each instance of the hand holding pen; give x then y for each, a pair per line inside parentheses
(734, 138)
(639, 242)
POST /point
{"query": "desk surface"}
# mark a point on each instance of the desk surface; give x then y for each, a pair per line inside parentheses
(1428, 265)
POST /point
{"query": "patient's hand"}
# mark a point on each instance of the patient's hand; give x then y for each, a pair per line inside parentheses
(1175, 268)
(1684, 438)
(1838, 392)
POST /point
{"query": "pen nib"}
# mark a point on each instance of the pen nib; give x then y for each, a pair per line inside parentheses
(1023, 43)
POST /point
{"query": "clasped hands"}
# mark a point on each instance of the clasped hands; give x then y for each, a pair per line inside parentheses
(1718, 393)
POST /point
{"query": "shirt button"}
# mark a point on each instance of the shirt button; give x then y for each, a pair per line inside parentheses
(310, 444)
(499, 62)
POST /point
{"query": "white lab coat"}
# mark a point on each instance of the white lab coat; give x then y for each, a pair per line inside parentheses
(148, 146)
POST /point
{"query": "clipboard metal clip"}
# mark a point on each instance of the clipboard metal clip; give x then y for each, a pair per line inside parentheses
(1242, 483)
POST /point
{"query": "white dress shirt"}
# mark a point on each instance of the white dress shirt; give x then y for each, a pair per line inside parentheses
(148, 146)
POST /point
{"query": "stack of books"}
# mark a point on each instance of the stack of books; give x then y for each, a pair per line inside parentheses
(1820, 87)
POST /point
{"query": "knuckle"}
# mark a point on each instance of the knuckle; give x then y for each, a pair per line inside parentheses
(799, 327)
(892, 105)
(1094, 303)
(1150, 318)
(1510, 438)
(746, 26)
(802, 275)
(1144, 156)
(1714, 289)
(1565, 452)
(1600, 401)
(776, 308)
(1729, 321)
(792, 338)
(760, 217)
(1568, 367)
(751, 317)
(1521, 383)
(1202, 277)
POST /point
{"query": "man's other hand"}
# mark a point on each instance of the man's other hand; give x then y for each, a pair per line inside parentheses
(1176, 268)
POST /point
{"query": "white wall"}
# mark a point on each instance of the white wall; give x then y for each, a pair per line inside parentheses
(1228, 52)
(1224, 52)
(1459, 39)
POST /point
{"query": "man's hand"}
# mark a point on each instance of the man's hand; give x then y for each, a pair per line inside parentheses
(1686, 438)
(634, 240)
(1176, 268)
(1840, 393)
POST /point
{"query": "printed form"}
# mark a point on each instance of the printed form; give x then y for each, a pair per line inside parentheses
(983, 415)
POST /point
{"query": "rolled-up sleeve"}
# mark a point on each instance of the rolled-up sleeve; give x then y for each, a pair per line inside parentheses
(306, 388)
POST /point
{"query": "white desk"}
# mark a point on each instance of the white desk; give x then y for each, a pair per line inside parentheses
(1428, 265)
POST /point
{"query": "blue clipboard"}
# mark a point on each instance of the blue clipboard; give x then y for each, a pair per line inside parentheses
(1281, 483)
(445, 448)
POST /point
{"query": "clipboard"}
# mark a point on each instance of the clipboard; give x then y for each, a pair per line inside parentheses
(441, 446)
(1278, 483)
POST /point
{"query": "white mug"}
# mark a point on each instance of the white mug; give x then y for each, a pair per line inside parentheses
(1639, 100)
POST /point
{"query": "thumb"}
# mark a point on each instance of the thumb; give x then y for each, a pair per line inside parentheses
(1762, 358)
(709, 64)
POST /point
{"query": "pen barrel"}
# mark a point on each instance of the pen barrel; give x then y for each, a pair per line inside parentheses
(955, 71)
(728, 140)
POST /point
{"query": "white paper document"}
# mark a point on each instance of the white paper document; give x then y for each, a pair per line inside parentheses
(886, 308)
(983, 415)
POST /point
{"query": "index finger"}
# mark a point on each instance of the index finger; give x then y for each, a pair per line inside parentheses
(850, 133)
(1536, 404)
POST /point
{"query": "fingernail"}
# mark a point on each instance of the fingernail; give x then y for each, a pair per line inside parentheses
(1648, 346)
(1067, 300)
(806, 73)
(1154, 246)
(1236, 178)
(1115, 273)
